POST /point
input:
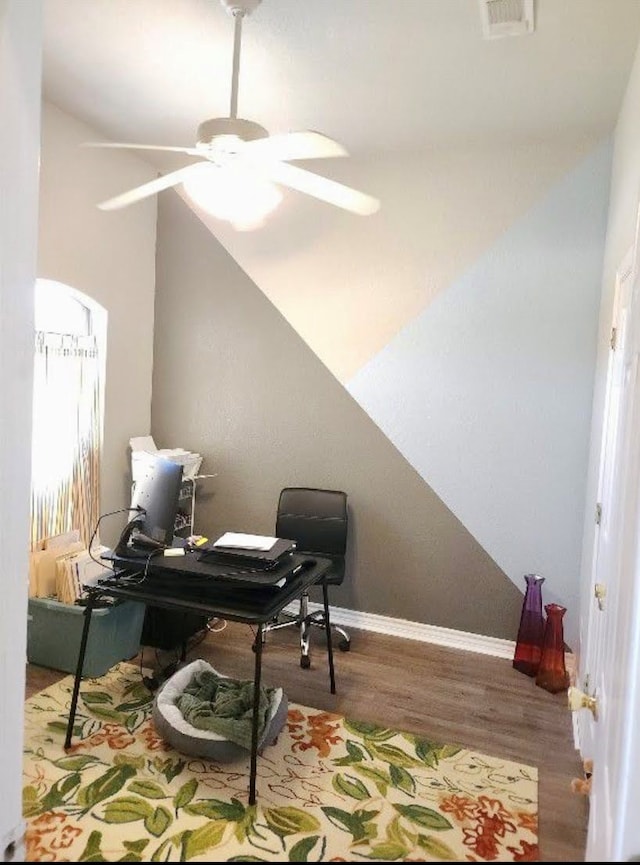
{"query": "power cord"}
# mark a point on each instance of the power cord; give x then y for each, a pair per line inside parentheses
(221, 623)
(101, 562)
(130, 579)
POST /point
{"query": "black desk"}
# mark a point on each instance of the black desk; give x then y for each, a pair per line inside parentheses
(184, 584)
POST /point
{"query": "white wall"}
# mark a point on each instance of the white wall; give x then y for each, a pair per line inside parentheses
(349, 284)
(111, 257)
(20, 66)
(488, 392)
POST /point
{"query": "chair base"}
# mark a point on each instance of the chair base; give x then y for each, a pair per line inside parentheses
(305, 621)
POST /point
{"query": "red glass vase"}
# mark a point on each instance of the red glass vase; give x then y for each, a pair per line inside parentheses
(552, 672)
(531, 631)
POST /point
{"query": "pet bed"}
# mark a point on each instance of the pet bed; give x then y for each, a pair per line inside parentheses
(174, 728)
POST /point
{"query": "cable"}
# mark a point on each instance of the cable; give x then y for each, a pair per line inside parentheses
(222, 623)
(130, 579)
(95, 531)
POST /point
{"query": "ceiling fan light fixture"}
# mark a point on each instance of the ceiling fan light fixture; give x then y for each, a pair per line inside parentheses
(248, 159)
(238, 197)
(221, 147)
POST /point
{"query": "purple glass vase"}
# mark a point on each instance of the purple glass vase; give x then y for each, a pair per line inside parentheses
(531, 631)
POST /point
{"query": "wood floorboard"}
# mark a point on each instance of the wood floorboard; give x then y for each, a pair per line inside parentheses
(447, 695)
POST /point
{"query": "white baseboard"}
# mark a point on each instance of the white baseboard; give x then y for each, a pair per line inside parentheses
(448, 637)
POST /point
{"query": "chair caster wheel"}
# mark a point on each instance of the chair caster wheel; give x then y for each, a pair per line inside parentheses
(344, 645)
(305, 662)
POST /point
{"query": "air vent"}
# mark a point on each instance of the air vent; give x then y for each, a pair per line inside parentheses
(506, 18)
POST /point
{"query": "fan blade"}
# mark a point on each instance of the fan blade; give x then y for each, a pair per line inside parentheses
(321, 187)
(294, 145)
(157, 185)
(192, 151)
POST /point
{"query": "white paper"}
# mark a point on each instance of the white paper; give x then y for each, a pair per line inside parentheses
(245, 542)
(143, 443)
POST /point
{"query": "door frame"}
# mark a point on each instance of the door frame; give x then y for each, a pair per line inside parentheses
(614, 831)
(590, 645)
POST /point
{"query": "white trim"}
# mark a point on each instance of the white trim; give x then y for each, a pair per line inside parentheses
(12, 844)
(448, 637)
(576, 732)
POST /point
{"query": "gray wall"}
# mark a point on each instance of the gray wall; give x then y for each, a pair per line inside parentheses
(233, 381)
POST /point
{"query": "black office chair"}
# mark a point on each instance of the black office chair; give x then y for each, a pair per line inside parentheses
(317, 521)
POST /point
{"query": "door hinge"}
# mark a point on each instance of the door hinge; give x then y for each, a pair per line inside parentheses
(598, 514)
(613, 340)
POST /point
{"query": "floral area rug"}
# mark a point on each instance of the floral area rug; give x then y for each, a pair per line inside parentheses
(330, 790)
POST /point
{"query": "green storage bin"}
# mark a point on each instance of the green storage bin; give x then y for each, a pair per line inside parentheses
(54, 632)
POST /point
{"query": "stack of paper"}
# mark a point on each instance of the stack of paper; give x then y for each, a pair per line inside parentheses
(43, 568)
(240, 541)
(74, 572)
(63, 567)
(144, 446)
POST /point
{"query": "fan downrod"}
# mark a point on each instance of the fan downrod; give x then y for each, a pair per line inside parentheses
(221, 134)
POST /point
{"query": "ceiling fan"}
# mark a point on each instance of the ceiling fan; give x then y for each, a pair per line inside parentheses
(234, 153)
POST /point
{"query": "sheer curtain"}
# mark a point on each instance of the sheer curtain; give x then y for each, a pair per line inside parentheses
(66, 444)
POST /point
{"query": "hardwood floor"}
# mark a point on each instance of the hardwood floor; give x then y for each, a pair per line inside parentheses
(447, 695)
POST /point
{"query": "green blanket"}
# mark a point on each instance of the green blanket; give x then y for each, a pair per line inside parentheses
(224, 706)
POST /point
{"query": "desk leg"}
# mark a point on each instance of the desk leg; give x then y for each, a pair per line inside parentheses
(257, 645)
(327, 627)
(88, 610)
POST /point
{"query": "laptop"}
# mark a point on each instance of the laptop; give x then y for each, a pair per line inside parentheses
(250, 556)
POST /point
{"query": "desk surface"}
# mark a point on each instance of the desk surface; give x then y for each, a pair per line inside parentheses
(183, 583)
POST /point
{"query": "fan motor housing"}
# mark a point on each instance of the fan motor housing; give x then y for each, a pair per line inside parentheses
(246, 130)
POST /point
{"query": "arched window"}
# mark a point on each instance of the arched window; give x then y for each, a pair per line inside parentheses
(68, 391)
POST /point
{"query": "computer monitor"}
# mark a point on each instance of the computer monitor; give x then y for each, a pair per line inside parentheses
(154, 506)
(157, 490)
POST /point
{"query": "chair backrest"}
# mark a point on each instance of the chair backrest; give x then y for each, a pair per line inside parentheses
(315, 519)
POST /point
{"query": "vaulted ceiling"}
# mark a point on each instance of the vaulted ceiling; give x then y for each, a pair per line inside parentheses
(380, 76)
